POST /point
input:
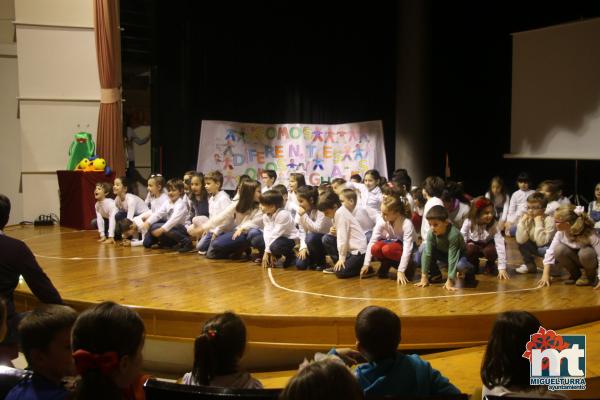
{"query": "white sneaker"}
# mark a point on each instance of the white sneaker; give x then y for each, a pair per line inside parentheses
(202, 253)
(522, 269)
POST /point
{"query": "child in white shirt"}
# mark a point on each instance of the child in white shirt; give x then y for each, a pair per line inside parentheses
(497, 194)
(280, 233)
(372, 182)
(312, 226)
(366, 216)
(128, 205)
(105, 213)
(518, 204)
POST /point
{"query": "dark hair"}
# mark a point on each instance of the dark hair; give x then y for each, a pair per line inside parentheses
(356, 177)
(4, 210)
(523, 177)
(478, 204)
(438, 213)
(39, 328)
(280, 188)
(398, 205)
(328, 379)
(103, 328)
(158, 179)
(434, 186)
(401, 177)
(124, 182)
(554, 187)
(377, 330)
(453, 190)
(219, 348)
(241, 179)
(393, 190)
(175, 184)
(105, 186)
(215, 176)
(272, 198)
(328, 200)
(350, 194)
(270, 173)
(338, 181)
(246, 193)
(375, 174)
(500, 182)
(203, 193)
(300, 179)
(325, 186)
(125, 225)
(189, 173)
(503, 363)
(537, 197)
(309, 193)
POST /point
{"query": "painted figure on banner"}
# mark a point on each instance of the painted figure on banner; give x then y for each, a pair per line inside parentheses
(358, 153)
(317, 135)
(347, 156)
(318, 163)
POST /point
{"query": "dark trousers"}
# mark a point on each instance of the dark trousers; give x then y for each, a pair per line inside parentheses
(463, 265)
(176, 235)
(120, 215)
(283, 246)
(475, 250)
(352, 266)
(330, 245)
(316, 251)
(256, 239)
(223, 246)
(529, 251)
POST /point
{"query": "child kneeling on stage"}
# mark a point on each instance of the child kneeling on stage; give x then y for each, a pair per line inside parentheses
(349, 254)
(393, 241)
(444, 243)
(280, 233)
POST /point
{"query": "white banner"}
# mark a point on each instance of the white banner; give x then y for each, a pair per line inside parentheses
(320, 152)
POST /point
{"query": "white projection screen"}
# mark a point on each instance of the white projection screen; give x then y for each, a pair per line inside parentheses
(556, 92)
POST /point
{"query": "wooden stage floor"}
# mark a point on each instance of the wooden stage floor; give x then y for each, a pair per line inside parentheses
(285, 308)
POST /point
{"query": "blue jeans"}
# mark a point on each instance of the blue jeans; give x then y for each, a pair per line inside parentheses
(316, 251)
(463, 265)
(330, 245)
(224, 245)
(256, 239)
(352, 266)
(283, 246)
(204, 242)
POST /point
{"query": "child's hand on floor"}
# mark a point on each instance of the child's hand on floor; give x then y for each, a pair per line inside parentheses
(109, 241)
(449, 286)
(424, 281)
(401, 278)
(503, 274)
(302, 254)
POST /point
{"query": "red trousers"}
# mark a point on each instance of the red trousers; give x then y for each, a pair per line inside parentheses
(387, 250)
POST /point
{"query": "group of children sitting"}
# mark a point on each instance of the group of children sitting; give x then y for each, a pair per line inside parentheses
(98, 355)
(437, 227)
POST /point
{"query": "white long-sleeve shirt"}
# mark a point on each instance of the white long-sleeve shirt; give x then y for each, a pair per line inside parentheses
(350, 235)
(434, 201)
(139, 223)
(553, 205)
(133, 205)
(504, 204)
(217, 204)
(313, 221)
(280, 224)
(540, 230)
(106, 209)
(154, 203)
(229, 219)
(518, 205)
(479, 233)
(402, 229)
(459, 214)
(579, 243)
(366, 217)
(363, 192)
(374, 199)
(173, 213)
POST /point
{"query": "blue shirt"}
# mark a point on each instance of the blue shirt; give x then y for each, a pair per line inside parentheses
(37, 388)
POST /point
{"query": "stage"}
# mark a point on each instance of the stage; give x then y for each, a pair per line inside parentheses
(285, 309)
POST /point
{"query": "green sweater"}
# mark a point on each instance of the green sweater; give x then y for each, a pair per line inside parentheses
(451, 243)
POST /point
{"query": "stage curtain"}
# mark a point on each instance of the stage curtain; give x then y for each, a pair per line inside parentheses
(109, 141)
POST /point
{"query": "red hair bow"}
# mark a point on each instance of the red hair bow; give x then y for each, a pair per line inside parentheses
(85, 361)
(482, 203)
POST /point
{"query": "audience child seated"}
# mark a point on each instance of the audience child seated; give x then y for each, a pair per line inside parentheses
(504, 371)
(575, 246)
(500, 199)
(312, 226)
(484, 238)
(518, 203)
(45, 336)
(268, 178)
(366, 216)
(393, 241)
(327, 379)
(106, 212)
(349, 245)
(218, 201)
(217, 354)
(594, 208)
(16, 260)
(280, 232)
(535, 231)
(552, 189)
(444, 243)
(355, 178)
(372, 182)
(389, 372)
(172, 232)
(454, 201)
(107, 342)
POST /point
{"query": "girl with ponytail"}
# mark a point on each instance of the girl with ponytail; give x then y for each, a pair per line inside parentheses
(575, 246)
(217, 353)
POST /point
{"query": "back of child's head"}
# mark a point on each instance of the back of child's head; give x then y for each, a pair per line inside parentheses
(434, 186)
(397, 205)
(272, 197)
(377, 331)
(246, 198)
(175, 185)
(324, 187)
(552, 188)
(215, 176)
(401, 178)
(417, 195)
(452, 190)
(106, 332)
(503, 362)
(539, 198)
(328, 201)
(219, 348)
(299, 178)
(328, 379)
(350, 195)
(581, 223)
(39, 328)
(437, 213)
(478, 206)
(4, 210)
(106, 187)
(126, 225)
(338, 181)
(392, 189)
(281, 189)
(308, 193)
(355, 178)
